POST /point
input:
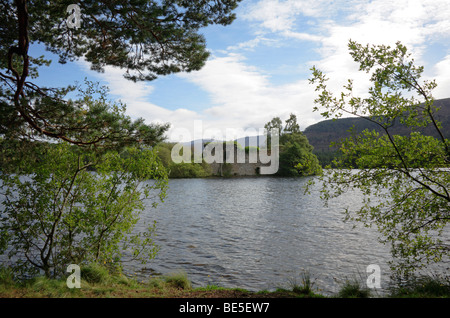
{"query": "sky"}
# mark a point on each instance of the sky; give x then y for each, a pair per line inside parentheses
(260, 65)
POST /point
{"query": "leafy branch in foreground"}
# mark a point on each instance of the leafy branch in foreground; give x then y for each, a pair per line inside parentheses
(70, 206)
(77, 202)
(404, 179)
(55, 210)
(89, 120)
(145, 38)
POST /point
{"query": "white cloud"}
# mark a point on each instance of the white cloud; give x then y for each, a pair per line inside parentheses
(252, 44)
(280, 17)
(240, 91)
(242, 95)
(303, 36)
(441, 73)
(276, 15)
(416, 23)
(413, 22)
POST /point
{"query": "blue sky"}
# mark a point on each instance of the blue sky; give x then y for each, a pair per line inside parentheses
(260, 65)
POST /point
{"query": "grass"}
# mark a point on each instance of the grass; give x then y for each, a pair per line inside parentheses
(178, 280)
(98, 282)
(303, 289)
(423, 287)
(353, 289)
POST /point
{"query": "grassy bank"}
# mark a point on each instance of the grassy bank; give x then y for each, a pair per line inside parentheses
(98, 282)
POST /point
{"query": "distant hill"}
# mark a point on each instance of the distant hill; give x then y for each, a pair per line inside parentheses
(321, 135)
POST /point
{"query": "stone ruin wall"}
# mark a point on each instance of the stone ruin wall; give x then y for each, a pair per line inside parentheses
(235, 168)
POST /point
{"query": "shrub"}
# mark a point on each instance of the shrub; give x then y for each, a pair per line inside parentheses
(73, 215)
(178, 280)
(6, 277)
(423, 287)
(353, 289)
(95, 274)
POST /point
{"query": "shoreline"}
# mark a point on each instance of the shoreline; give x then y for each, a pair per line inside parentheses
(98, 282)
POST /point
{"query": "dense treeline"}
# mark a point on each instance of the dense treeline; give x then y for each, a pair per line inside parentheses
(296, 153)
(181, 170)
(296, 157)
(327, 158)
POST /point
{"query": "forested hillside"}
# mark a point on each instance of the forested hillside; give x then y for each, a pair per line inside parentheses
(322, 134)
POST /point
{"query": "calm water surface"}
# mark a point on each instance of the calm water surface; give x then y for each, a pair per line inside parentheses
(259, 233)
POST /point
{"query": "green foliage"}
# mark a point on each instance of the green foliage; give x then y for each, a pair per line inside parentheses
(291, 125)
(305, 287)
(178, 280)
(94, 273)
(145, 38)
(353, 289)
(6, 277)
(275, 123)
(88, 120)
(46, 287)
(404, 179)
(296, 156)
(327, 158)
(189, 170)
(57, 211)
(422, 287)
(323, 134)
(183, 169)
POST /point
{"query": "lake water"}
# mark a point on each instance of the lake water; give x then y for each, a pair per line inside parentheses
(260, 233)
